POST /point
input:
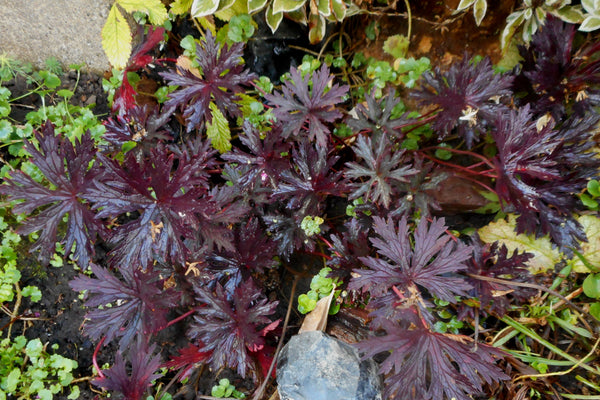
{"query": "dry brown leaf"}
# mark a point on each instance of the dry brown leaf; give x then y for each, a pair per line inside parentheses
(316, 320)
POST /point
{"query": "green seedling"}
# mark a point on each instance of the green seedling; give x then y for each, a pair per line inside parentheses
(226, 390)
(320, 286)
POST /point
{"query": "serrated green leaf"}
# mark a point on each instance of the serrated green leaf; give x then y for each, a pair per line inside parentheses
(396, 46)
(179, 7)
(32, 292)
(116, 38)
(202, 8)
(503, 231)
(280, 6)
(590, 249)
(464, 4)
(155, 9)
(590, 23)
(218, 131)
(273, 19)
(479, 10)
(255, 5)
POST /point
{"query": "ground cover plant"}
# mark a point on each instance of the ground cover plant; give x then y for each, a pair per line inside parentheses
(181, 212)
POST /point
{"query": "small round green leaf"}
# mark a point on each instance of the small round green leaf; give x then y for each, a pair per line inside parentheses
(591, 286)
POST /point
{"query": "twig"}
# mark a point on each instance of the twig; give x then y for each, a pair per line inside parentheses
(261, 389)
(532, 286)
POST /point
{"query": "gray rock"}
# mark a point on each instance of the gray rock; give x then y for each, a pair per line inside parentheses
(316, 366)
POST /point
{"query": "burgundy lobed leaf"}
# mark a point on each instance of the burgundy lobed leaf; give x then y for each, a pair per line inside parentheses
(223, 77)
(139, 303)
(164, 192)
(380, 169)
(132, 384)
(426, 264)
(300, 108)
(467, 97)
(232, 329)
(66, 167)
(428, 365)
(189, 358)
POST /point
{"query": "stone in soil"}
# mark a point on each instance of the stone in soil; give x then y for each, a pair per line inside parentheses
(316, 366)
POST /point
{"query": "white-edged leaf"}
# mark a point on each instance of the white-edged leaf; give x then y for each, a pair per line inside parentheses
(503, 231)
(513, 21)
(339, 9)
(255, 5)
(116, 38)
(230, 8)
(570, 14)
(590, 23)
(273, 19)
(280, 6)
(202, 8)
(479, 10)
(317, 25)
(218, 130)
(324, 7)
(179, 7)
(155, 9)
(591, 6)
(464, 4)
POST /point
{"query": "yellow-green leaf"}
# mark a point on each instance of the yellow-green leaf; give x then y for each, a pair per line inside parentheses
(464, 4)
(317, 25)
(155, 9)
(202, 8)
(231, 8)
(218, 130)
(339, 9)
(503, 231)
(116, 38)
(179, 7)
(479, 10)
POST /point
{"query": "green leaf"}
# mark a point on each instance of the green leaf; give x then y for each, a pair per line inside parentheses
(155, 9)
(218, 131)
(311, 225)
(273, 18)
(306, 304)
(202, 8)
(593, 188)
(34, 348)
(255, 5)
(32, 292)
(503, 231)
(479, 10)
(591, 6)
(591, 286)
(12, 380)
(588, 201)
(6, 129)
(590, 249)
(280, 6)
(179, 7)
(595, 310)
(116, 38)
(45, 394)
(590, 23)
(51, 80)
(396, 46)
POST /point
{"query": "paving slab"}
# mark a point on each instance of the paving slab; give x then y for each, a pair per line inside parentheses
(69, 30)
